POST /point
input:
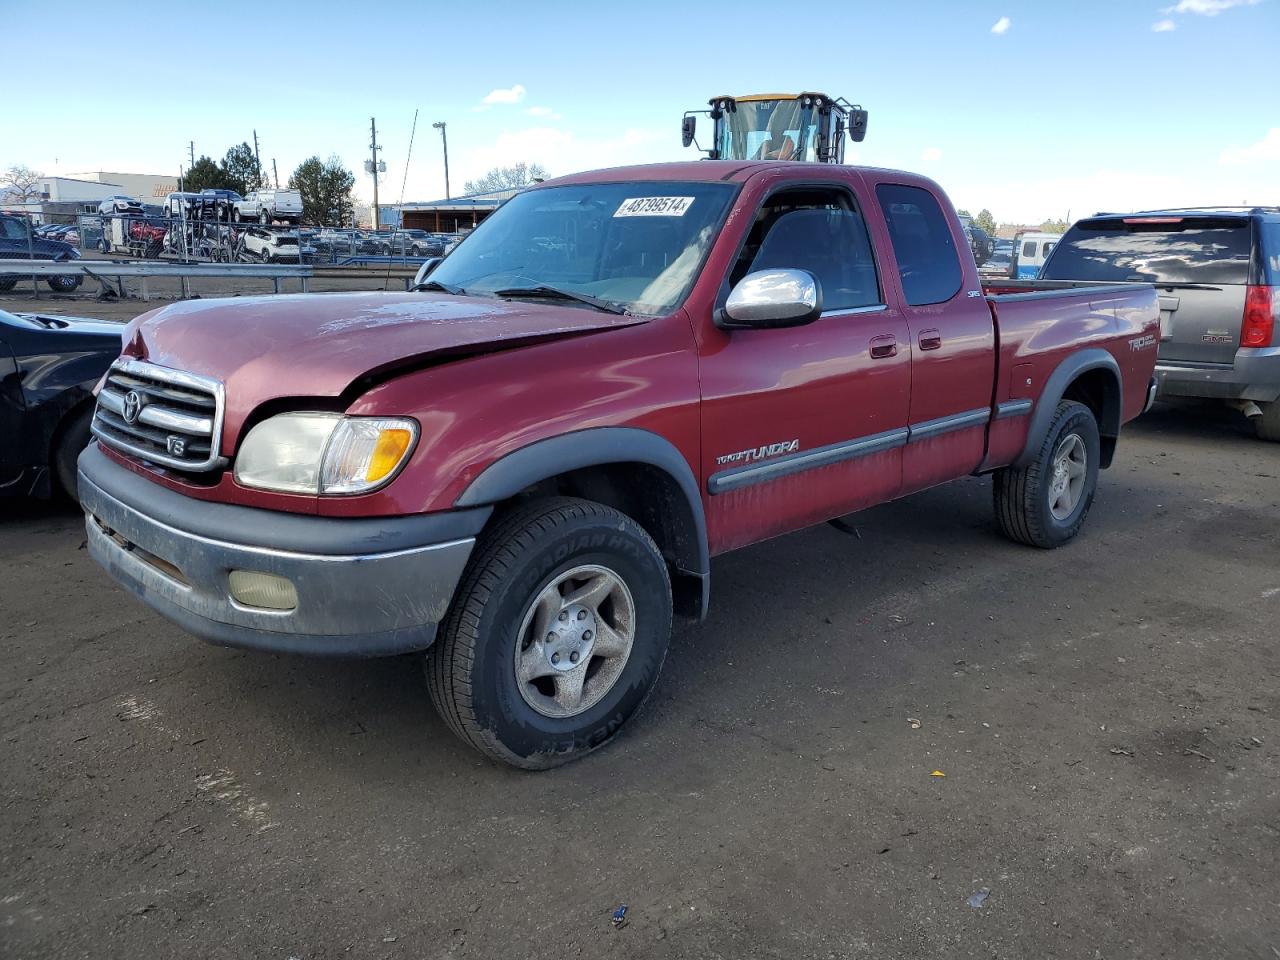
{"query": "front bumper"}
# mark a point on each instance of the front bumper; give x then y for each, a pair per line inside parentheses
(365, 587)
(1255, 375)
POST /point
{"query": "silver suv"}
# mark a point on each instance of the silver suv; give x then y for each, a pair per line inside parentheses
(1217, 271)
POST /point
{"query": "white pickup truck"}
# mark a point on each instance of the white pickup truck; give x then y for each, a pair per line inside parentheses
(268, 206)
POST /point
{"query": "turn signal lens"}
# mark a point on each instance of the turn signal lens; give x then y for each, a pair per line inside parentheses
(388, 451)
(365, 452)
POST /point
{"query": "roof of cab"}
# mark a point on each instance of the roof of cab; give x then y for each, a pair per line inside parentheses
(707, 171)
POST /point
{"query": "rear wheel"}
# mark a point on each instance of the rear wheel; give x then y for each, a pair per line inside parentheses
(63, 284)
(1044, 503)
(1267, 426)
(556, 635)
(264, 218)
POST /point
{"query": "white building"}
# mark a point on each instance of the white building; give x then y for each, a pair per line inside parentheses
(147, 187)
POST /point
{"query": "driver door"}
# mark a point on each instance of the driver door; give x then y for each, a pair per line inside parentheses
(806, 423)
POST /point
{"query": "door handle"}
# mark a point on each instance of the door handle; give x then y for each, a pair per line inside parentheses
(884, 346)
(930, 339)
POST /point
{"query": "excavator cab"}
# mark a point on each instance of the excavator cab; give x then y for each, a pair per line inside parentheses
(809, 127)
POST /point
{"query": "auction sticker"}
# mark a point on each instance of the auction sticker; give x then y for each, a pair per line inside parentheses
(654, 207)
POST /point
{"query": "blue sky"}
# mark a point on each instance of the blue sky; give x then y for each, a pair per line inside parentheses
(1032, 109)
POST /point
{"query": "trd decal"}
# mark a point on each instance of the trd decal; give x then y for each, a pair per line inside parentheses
(1141, 343)
(760, 453)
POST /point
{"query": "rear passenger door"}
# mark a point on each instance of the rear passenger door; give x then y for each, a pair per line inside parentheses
(951, 336)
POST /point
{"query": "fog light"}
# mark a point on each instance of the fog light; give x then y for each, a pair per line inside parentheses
(253, 589)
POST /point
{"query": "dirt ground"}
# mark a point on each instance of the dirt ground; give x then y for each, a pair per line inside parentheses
(1107, 717)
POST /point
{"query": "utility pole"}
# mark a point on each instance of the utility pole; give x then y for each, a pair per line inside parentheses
(444, 139)
(256, 157)
(373, 166)
(191, 146)
(275, 172)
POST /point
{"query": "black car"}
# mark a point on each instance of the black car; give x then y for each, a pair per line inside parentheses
(18, 242)
(48, 368)
(222, 202)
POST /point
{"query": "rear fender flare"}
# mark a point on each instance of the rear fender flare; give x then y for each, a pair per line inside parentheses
(1056, 387)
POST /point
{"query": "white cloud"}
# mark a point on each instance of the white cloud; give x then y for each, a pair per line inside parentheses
(1265, 150)
(930, 154)
(1002, 25)
(543, 112)
(509, 95)
(1164, 26)
(1208, 8)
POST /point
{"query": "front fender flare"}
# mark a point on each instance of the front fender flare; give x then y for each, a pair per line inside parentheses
(601, 446)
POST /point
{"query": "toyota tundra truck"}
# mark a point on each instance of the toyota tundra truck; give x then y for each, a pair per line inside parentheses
(524, 466)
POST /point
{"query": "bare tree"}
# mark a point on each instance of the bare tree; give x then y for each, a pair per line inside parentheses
(21, 184)
(507, 178)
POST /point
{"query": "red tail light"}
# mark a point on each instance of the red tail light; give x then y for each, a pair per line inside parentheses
(1260, 305)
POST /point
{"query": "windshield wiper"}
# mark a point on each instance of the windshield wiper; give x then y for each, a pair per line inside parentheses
(552, 293)
(442, 287)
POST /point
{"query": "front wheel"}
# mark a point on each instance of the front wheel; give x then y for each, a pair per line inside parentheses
(1044, 503)
(556, 635)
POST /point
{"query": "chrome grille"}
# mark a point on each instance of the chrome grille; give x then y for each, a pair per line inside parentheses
(161, 415)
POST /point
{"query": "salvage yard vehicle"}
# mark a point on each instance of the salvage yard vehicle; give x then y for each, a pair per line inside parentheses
(1030, 251)
(17, 242)
(1218, 274)
(268, 205)
(525, 466)
(268, 246)
(48, 368)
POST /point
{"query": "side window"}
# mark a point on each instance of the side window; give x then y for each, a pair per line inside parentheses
(1029, 250)
(1049, 244)
(921, 236)
(817, 230)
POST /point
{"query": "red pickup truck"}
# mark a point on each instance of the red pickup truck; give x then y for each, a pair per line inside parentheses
(525, 466)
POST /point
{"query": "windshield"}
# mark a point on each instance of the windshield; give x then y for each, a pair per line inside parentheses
(636, 245)
(769, 130)
(1189, 251)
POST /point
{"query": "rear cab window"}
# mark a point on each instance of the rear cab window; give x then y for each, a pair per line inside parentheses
(928, 263)
(1155, 249)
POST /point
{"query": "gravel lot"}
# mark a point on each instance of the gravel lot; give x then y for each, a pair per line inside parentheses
(1107, 717)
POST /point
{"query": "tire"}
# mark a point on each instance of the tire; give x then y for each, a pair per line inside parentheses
(1267, 426)
(235, 215)
(73, 437)
(472, 668)
(1028, 499)
(264, 218)
(64, 284)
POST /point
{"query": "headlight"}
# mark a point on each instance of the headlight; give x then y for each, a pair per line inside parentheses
(324, 452)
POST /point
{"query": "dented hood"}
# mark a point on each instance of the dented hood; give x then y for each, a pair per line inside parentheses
(317, 345)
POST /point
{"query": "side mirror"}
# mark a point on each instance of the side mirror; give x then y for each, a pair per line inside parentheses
(688, 127)
(425, 270)
(773, 298)
(857, 125)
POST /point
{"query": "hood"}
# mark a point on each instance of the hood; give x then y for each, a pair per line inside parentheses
(110, 329)
(317, 345)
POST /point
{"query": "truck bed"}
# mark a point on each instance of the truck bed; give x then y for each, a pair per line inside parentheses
(1041, 323)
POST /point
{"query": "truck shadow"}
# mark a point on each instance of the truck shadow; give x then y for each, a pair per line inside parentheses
(1194, 419)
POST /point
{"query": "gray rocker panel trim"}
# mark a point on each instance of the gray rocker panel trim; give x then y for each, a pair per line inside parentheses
(928, 429)
(738, 477)
(1013, 408)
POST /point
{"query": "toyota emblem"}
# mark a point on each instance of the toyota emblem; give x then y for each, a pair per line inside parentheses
(132, 406)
